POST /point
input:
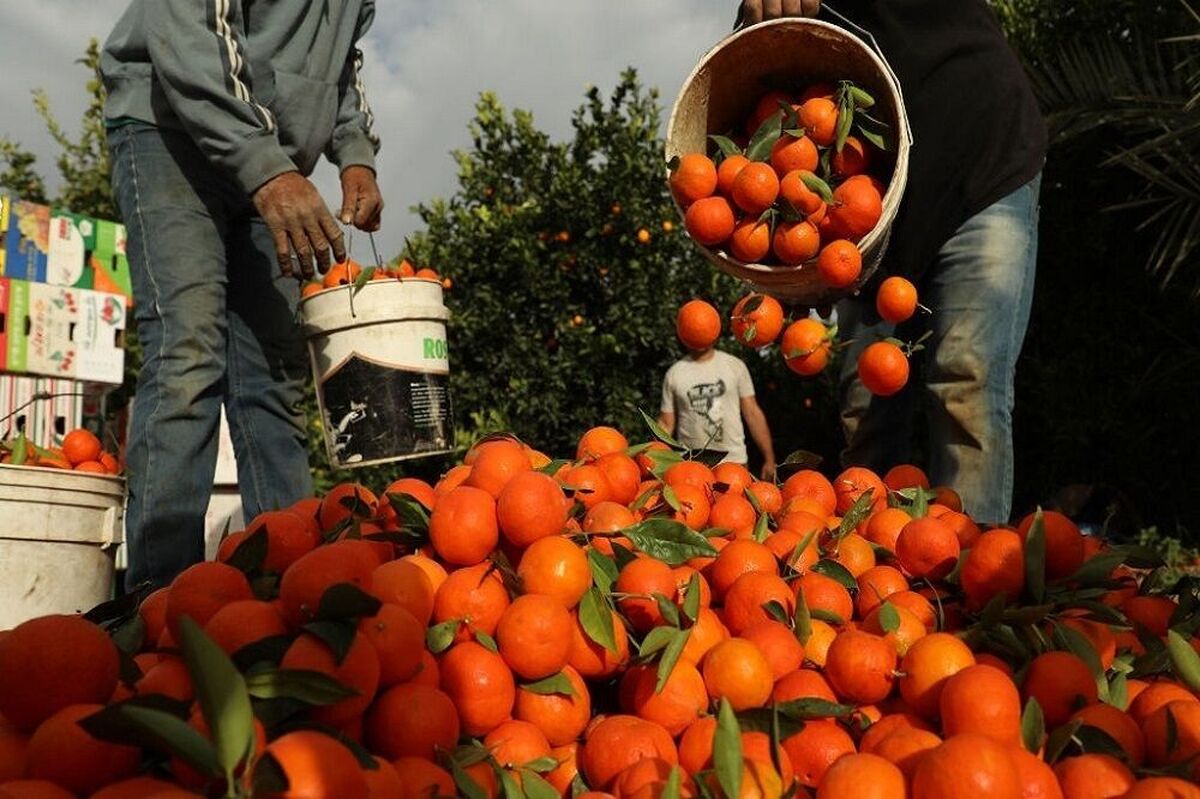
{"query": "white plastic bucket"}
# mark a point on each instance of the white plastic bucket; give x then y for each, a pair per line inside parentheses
(382, 370)
(58, 534)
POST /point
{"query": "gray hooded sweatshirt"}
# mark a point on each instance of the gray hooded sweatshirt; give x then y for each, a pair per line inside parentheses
(262, 87)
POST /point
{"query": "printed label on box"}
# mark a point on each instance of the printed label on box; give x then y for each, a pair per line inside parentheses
(99, 337)
(53, 313)
(72, 237)
(28, 243)
(18, 321)
(4, 323)
(109, 266)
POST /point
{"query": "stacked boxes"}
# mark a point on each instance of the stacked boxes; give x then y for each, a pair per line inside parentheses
(44, 409)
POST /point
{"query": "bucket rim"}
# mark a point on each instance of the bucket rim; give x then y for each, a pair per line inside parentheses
(111, 479)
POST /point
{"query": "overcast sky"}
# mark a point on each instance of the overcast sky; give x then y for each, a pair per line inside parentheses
(426, 63)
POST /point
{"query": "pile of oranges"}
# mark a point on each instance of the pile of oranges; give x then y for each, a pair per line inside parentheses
(807, 343)
(634, 622)
(81, 451)
(794, 188)
(350, 272)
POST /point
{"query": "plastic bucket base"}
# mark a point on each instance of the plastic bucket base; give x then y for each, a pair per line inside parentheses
(382, 372)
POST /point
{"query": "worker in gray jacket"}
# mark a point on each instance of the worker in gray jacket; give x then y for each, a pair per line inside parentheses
(217, 112)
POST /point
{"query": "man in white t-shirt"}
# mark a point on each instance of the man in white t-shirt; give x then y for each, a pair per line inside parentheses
(705, 396)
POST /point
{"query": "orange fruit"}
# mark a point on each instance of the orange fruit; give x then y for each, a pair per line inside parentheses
(316, 765)
(623, 476)
(778, 644)
(920, 607)
(825, 593)
(203, 589)
(884, 526)
(561, 717)
(877, 584)
(818, 116)
(793, 189)
(805, 348)
(745, 600)
(796, 242)
(534, 636)
(738, 558)
(342, 273)
(698, 325)
(1061, 683)
(405, 583)
(861, 666)
(707, 632)
(681, 700)
(802, 684)
(817, 647)
(463, 528)
(853, 159)
(839, 263)
(600, 441)
(516, 743)
(475, 595)
(815, 748)
(383, 780)
(1119, 725)
(751, 240)
(593, 660)
(421, 778)
(398, 638)
(855, 553)
(883, 368)
(480, 684)
(556, 567)
(879, 730)
(135, 788)
(728, 171)
(694, 178)
(856, 208)
(307, 580)
(561, 777)
(896, 301)
(755, 188)
(908, 629)
(1163, 788)
(710, 221)
(994, 565)
(1151, 612)
(644, 577)
(1165, 749)
(616, 742)
(1036, 777)
(1153, 696)
(736, 670)
(982, 700)
(1064, 543)
(855, 481)
(169, 677)
(80, 446)
(245, 622)
(810, 484)
(589, 484)
(967, 766)
(862, 776)
(927, 548)
(50, 662)
(344, 501)
(905, 475)
(358, 670)
(926, 667)
(411, 720)
(33, 789)
(904, 748)
(734, 477)
(496, 463)
(694, 507)
(792, 153)
(61, 751)
(1093, 776)
(531, 506)
(756, 320)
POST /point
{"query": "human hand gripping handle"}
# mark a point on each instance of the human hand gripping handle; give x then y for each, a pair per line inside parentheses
(299, 222)
(753, 11)
(362, 204)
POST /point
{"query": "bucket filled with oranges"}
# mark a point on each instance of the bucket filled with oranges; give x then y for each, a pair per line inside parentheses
(787, 153)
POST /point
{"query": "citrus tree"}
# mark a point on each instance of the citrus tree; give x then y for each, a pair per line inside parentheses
(568, 263)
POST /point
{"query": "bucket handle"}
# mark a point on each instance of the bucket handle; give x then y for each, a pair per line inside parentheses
(740, 23)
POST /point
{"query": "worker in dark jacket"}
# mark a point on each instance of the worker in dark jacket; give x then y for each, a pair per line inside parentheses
(217, 112)
(966, 234)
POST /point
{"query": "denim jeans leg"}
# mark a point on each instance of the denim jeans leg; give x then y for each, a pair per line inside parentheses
(981, 291)
(177, 260)
(878, 429)
(267, 371)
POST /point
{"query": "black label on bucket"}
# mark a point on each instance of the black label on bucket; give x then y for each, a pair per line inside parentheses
(375, 412)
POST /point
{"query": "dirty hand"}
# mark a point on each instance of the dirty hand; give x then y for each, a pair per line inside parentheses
(299, 222)
(768, 471)
(753, 11)
(361, 202)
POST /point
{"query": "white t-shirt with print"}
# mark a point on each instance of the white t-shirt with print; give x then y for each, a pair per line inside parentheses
(705, 396)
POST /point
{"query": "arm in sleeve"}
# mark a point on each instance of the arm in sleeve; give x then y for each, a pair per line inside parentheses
(354, 142)
(198, 51)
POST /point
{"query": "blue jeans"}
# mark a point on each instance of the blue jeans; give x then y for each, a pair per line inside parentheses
(980, 290)
(217, 325)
